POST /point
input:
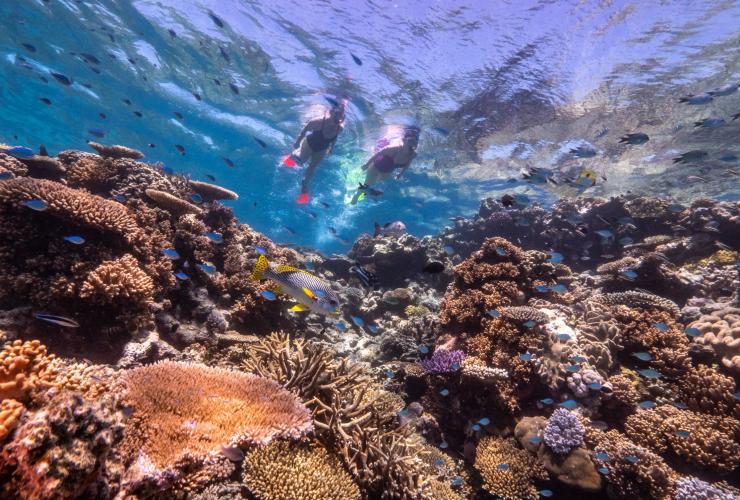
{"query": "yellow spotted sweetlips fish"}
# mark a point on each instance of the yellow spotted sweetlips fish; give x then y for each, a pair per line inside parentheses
(311, 292)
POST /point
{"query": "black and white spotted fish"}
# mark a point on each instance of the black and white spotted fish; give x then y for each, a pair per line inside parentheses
(311, 292)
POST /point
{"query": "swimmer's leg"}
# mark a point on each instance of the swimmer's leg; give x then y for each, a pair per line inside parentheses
(310, 171)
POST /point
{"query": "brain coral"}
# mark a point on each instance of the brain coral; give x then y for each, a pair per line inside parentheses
(301, 472)
(182, 408)
(721, 331)
(507, 471)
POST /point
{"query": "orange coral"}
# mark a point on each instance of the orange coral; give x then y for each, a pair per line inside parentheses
(10, 412)
(185, 408)
(119, 282)
(25, 367)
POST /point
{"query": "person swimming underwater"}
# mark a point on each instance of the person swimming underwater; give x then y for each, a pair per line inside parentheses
(381, 165)
(315, 141)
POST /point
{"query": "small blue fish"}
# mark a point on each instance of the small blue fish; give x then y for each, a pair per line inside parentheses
(444, 445)
(603, 470)
(171, 253)
(529, 324)
(215, 237)
(522, 199)
(181, 276)
(358, 321)
(484, 421)
(605, 233)
(4, 176)
(455, 366)
(18, 152)
(559, 288)
(476, 427)
(680, 405)
(647, 405)
(342, 326)
(207, 267)
(595, 386)
(564, 337)
(260, 250)
(373, 328)
(75, 240)
(661, 326)
(439, 462)
(38, 205)
(556, 258)
(735, 395)
(527, 356)
(308, 264)
(389, 373)
(501, 251)
(650, 373)
(643, 356)
(268, 295)
(403, 413)
(602, 455)
(571, 403)
(457, 482)
(633, 459)
(625, 220)
(493, 313)
(448, 250)
(503, 467)
(445, 392)
(57, 320)
(535, 440)
(578, 359)
(547, 401)
(546, 493)
(423, 349)
(196, 198)
(681, 434)
(628, 273)
(626, 241)
(572, 368)
(542, 288)
(119, 198)
(676, 208)
(692, 332)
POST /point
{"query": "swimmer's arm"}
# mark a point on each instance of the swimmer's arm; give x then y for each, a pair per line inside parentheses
(405, 167)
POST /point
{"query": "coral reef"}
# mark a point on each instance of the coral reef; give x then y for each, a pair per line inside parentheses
(507, 471)
(563, 431)
(721, 331)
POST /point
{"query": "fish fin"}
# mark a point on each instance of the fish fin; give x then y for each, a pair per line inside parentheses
(259, 268)
(284, 268)
(309, 293)
(42, 151)
(298, 307)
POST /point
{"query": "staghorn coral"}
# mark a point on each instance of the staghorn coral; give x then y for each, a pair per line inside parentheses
(119, 283)
(10, 413)
(60, 450)
(507, 471)
(563, 431)
(706, 390)
(443, 361)
(12, 165)
(171, 203)
(707, 441)
(212, 191)
(25, 367)
(302, 472)
(115, 151)
(185, 408)
(721, 331)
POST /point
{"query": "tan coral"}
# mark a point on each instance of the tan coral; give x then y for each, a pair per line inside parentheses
(12, 165)
(24, 368)
(616, 266)
(10, 412)
(721, 331)
(285, 470)
(119, 282)
(706, 390)
(171, 203)
(213, 191)
(182, 408)
(44, 165)
(115, 151)
(507, 471)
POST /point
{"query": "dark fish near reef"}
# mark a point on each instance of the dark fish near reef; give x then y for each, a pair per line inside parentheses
(224, 54)
(57, 320)
(210, 178)
(728, 89)
(507, 201)
(234, 88)
(583, 152)
(696, 99)
(735, 116)
(434, 267)
(395, 228)
(311, 292)
(710, 123)
(172, 33)
(601, 133)
(217, 81)
(216, 20)
(96, 132)
(126, 101)
(637, 138)
(228, 162)
(29, 47)
(89, 58)
(691, 156)
(368, 279)
(45, 100)
(178, 115)
(180, 149)
(356, 59)
(138, 113)
(197, 96)
(260, 142)
(102, 115)
(63, 79)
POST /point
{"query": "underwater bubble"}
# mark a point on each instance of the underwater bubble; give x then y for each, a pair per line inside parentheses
(661, 326)
(602, 455)
(594, 386)
(564, 337)
(556, 258)
(650, 373)
(535, 440)
(526, 356)
(572, 368)
(357, 320)
(389, 373)
(476, 427)
(559, 288)
(547, 401)
(529, 324)
(38, 205)
(503, 467)
(76, 240)
(501, 251)
(682, 434)
(423, 349)
(445, 392)
(260, 250)
(215, 237)
(692, 332)
(171, 253)
(444, 445)
(196, 198)
(647, 405)
(546, 493)
(633, 459)
(643, 356)
(542, 288)
(181, 276)
(484, 421)
(207, 267)
(268, 295)
(570, 403)
(493, 313)
(603, 470)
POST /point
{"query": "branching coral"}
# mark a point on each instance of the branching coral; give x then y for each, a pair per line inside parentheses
(563, 431)
(302, 472)
(507, 471)
(189, 408)
(706, 390)
(443, 361)
(10, 412)
(119, 283)
(721, 331)
(25, 367)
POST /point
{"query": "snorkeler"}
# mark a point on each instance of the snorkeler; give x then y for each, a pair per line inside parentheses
(382, 164)
(315, 142)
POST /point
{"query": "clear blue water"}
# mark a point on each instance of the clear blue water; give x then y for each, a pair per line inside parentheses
(516, 84)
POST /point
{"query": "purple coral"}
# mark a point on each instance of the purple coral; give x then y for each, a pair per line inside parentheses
(563, 431)
(443, 361)
(691, 488)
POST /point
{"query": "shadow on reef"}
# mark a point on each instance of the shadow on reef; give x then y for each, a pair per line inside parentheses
(587, 352)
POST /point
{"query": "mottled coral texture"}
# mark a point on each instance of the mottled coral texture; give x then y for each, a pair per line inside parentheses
(563, 431)
(507, 471)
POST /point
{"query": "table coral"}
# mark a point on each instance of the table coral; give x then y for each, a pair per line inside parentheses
(507, 471)
(171, 203)
(212, 191)
(721, 331)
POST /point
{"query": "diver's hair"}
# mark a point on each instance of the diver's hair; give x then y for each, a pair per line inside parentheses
(412, 132)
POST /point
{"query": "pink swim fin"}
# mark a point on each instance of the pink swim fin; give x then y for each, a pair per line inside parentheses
(302, 199)
(289, 162)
